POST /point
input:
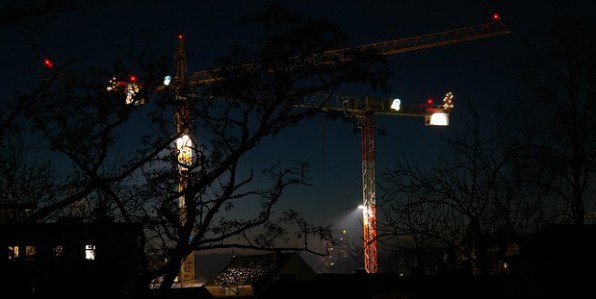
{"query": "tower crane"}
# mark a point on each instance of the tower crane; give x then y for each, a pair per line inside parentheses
(363, 108)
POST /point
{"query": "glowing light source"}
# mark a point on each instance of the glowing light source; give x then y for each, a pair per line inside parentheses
(180, 36)
(131, 90)
(167, 80)
(132, 78)
(496, 16)
(90, 252)
(48, 63)
(438, 119)
(184, 146)
(448, 101)
(429, 101)
(396, 105)
(361, 207)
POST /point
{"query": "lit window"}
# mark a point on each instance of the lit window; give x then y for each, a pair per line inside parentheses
(90, 252)
(30, 252)
(58, 250)
(13, 252)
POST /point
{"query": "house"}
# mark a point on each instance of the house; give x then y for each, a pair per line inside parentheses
(69, 257)
(246, 276)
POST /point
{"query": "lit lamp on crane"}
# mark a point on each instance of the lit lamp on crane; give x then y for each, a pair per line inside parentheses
(439, 116)
(184, 146)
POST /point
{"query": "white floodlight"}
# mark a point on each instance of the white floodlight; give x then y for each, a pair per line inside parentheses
(437, 119)
(167, 80)
(395, 105)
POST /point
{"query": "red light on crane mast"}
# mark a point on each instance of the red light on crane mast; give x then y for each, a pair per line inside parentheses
(132, 78)
(496, 16)
(180, 36)
(48, 63)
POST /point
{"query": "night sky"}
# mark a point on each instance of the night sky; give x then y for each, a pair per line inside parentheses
(478, 72)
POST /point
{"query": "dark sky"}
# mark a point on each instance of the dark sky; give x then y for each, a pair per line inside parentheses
(477, 71)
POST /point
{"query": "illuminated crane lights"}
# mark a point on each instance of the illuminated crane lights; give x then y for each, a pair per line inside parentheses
(184, 145)
(130, 88)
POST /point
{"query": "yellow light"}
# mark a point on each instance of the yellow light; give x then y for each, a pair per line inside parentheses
(448, 101)
(131, 90)
(184, 145)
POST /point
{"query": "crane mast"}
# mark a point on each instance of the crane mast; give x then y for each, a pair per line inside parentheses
(362, 108)
(184, 147)
(369, 218)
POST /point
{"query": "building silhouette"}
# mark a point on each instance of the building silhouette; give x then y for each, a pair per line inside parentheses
(67, 257)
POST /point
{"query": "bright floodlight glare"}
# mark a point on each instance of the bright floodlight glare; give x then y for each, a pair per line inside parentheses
(439, 119)
(361, 207)
(167, 80)
(395, 105)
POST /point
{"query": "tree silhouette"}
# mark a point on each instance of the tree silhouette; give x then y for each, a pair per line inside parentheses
(127, 170)
(555, 118)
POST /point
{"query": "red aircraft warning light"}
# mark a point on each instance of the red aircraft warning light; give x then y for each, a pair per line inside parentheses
(180, 36)
(496, 16)
(48, 63)
(132, 78)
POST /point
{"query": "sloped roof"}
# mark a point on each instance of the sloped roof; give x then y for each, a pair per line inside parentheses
(251, 269)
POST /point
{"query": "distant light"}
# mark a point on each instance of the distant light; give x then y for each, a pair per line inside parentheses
(167, 80)
(132, 78)
(496, 16)
(429, 101)
(439, 119)
(396, 105)
(180, 36)
(448, 101)
(344, 231)
(90, 252)
(48, 63)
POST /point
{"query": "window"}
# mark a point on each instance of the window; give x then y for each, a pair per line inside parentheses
(90, 252)
(13, 252)
(30, 252)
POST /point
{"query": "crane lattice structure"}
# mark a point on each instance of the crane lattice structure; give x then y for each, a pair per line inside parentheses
(363, 108)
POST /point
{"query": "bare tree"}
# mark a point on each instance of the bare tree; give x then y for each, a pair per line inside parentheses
(468, 206)
(556, 118)
(129, 171)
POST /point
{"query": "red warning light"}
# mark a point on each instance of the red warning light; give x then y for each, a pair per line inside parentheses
(132, 78)
(429, 101)
(496, 16)
(180, 36)
(48, 63)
